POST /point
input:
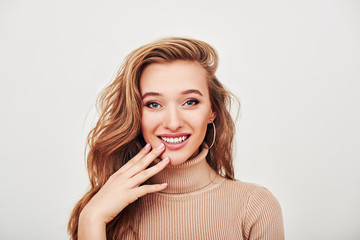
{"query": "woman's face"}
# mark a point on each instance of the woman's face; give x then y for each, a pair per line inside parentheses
(176, 108)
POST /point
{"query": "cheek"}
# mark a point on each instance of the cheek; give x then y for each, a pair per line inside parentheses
(148, 123)
(199, 122)
(203, 127)
(144, 125)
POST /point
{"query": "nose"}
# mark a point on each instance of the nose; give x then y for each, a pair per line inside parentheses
(172, 118)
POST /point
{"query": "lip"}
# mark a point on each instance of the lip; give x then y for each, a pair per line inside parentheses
(174, 146)
(173, 135)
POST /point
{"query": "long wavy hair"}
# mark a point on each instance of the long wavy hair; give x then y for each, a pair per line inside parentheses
(117, 137)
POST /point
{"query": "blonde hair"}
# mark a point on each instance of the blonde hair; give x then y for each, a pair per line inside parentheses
(117, 136)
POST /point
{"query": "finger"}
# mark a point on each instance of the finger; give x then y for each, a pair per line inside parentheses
(136, 158)
(146, 189)
(145, 150)
(148, 173)
(145, 161)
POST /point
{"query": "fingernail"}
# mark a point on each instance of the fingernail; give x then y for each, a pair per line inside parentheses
(164, 185)
(165, 160)
(161, 146)
(147, 146)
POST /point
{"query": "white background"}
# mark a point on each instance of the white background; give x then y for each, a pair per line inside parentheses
(294, 65)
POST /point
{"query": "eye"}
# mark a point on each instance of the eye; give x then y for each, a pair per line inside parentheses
(191, 102)
(153, 105)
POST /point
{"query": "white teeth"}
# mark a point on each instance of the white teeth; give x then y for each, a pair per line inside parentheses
(174, 140)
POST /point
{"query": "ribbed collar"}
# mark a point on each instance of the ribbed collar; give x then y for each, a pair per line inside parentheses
(192, 175)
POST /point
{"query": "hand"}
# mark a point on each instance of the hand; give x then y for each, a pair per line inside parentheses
(123, 187)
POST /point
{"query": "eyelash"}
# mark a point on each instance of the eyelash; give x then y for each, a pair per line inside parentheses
(150, 103)
(194, 101)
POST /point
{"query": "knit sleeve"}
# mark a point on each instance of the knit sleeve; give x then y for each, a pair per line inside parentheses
(263, 219)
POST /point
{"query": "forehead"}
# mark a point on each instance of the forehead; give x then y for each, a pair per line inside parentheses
(173, 77)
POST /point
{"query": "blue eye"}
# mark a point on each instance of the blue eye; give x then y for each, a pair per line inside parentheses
(153, 105)
(191, 102)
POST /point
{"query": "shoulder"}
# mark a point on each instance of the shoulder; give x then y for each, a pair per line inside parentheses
(248, 190)
(251, 198)
(254, 196)
(261, 215)
(258, 211)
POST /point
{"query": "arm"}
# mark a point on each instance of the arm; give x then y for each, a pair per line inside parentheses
(90, 227)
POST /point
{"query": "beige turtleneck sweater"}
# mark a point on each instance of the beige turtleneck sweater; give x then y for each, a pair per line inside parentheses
(200, 204)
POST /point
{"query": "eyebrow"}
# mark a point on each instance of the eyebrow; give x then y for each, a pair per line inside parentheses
(192, 91)
(183, 93)
(150, 94)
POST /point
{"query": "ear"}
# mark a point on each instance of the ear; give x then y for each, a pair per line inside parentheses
(212, 116)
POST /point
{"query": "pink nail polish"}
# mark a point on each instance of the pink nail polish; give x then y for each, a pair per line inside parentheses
(161, 146)
(147, 146)
(165, 160)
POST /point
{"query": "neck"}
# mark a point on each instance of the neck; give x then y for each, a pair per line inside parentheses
(190, 176)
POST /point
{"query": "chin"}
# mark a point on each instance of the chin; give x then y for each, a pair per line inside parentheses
(176, 163)
(177, 157)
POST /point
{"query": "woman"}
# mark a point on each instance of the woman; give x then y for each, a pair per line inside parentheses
(160, 155)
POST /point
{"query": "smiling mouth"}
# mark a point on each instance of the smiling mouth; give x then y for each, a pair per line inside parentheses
(174, 140)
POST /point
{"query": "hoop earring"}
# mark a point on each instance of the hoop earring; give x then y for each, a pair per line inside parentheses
(213, 141)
